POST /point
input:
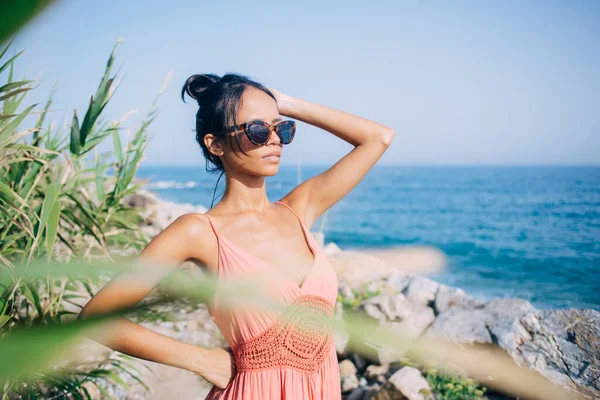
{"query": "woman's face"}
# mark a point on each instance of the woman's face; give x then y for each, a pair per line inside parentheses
(254, 105)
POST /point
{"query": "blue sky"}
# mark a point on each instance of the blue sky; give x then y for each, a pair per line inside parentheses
(464, 82)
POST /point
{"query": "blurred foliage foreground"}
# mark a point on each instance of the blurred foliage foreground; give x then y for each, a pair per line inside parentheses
(57, 203)
(65, 229)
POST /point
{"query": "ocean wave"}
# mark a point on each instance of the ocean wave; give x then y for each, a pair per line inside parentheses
(172, 185)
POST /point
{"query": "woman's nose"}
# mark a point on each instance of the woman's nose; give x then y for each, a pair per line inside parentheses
(272, 133)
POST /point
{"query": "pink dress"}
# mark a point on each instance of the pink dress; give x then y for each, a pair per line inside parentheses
(279, 358)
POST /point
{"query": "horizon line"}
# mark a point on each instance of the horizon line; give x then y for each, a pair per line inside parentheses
(399, 165)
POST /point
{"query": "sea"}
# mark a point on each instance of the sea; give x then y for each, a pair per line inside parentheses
(508, 231)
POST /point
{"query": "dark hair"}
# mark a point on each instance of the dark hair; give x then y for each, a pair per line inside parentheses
(218, 101)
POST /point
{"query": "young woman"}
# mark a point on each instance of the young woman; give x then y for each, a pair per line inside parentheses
(240, 129)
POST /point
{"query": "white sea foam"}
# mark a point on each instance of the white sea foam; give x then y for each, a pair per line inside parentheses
(172, 185)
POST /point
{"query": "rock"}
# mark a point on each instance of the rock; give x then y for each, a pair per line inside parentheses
(404, 316)
(386, 356)
(386, 288)
(564, 347)
(495, 322)
(374, 311)
(347, 368)
(360, 362)
(399, 280)
(388, 392)
(421, 290)
(461, 325)
(370, 391)
(331, 249)
(377, 372)
(348, 376)
(357, 394)
(388, 308)
(416, 323)
(160, 213)
(411, 384)
(560, 344)
(139, 200)
(350, 268)
(346, 291)
(349, 383)
(447, 297)
(504, 325)
(341, 339)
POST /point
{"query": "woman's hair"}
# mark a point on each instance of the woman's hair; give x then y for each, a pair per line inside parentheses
(218, 101)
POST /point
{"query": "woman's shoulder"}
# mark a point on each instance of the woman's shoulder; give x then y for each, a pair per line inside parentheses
(195, 232)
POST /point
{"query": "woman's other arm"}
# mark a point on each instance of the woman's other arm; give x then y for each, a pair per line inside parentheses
(182, 240)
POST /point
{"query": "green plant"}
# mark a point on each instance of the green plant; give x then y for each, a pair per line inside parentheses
(358, 295)
(449, 387)
(57, 202)
(79, 381)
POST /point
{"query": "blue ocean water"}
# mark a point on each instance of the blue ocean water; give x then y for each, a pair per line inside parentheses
(527, 232)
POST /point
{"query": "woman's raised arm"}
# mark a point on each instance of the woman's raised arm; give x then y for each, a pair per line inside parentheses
(369, 138)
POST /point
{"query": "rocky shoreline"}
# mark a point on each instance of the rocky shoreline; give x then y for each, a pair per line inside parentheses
(562, 345)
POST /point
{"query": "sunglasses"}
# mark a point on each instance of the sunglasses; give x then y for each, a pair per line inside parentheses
(258, 132)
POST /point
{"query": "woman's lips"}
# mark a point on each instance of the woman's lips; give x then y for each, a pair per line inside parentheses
(272, 158)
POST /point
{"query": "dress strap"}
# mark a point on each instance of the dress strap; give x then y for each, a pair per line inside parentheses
(218, 242)
(310, 240)
(212, 225)
(294, 212)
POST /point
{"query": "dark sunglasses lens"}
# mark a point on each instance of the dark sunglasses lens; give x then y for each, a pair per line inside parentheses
(286, 131)
(259, 133)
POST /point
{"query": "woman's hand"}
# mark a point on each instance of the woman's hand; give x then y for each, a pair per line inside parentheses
(217, 366)
(282, 100)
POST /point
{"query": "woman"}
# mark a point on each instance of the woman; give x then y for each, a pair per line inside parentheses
(241, 132)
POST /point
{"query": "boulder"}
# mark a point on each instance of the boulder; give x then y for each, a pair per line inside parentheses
(447, 297)
(421, 290)
(411, 384)
(377, 372)
(564, 347)
(399, 280)
(348, 376)
(461, 325)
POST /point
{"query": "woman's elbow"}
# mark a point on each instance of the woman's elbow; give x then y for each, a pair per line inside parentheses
(387, 136)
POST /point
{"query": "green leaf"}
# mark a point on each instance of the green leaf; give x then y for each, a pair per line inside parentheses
(52, 228)
(12, 126)
(75, 135)
(13, 85)
(118, 147)
(10, 194)
(99, 181)
(50, 198)
(30, 291)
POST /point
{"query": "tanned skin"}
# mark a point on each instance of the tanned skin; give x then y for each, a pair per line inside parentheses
(243, 211)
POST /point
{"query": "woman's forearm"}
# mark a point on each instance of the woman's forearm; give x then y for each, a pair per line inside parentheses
(135, 340)
(349, 127)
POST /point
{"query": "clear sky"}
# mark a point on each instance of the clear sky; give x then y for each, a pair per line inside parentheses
(461, 82)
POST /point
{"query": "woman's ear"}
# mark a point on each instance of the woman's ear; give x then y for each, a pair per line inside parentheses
(214, 145)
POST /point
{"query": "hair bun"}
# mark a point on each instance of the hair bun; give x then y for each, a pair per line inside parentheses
(196, 84)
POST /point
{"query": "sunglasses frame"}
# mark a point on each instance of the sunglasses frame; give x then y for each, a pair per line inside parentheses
(234, 129)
